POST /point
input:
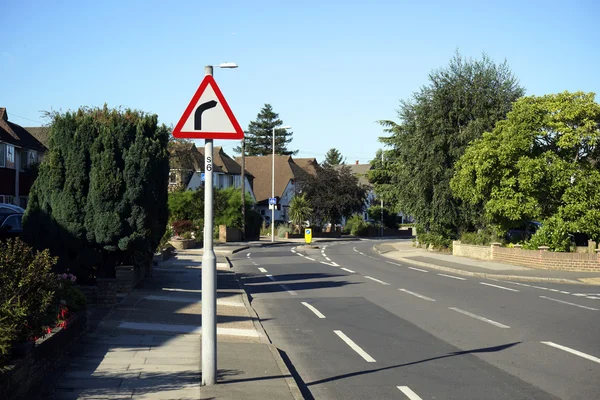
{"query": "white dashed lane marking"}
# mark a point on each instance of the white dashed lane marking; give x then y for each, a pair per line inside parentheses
(376, 280)
(573, 351)
(489, 321)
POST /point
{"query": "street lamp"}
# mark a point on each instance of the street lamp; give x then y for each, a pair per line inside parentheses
(209, 265)
(273, 185)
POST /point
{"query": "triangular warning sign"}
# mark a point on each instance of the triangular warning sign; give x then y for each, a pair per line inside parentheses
(208, 115)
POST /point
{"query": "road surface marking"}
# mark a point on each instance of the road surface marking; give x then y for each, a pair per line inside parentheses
(254, 263)
(453, 277)
(377, 280)
(354, 346)
(285, 287)
(311, 308)
(541, 287)
(499, 287)
(563, 292)
(393, 263)
(333, 263)
(293, 251)
(417, 269)
(571, 304)
(409, 393)
(362, 254)
(348, 270)
(261, 269)
(489, 321)
(248, 255)
(311, 259)
(327, 258)
(417, 295)
(270, 277)
(573, 351)
(354, 248)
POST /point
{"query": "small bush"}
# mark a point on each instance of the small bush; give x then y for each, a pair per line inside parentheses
(436, 240)
(27, 288)
(360, 228)
(181, 227)
(554, 233)
(282, 230)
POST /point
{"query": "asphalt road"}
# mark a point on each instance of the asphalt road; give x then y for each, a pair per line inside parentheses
(356, 325)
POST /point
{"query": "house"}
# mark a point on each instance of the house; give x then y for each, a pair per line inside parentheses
(287, 171)
(187, 168)
(19, 152)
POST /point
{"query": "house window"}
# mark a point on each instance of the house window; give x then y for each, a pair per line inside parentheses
(172, 178)
(10, 156)
(33, 157)
(24, 159)
(2, 155)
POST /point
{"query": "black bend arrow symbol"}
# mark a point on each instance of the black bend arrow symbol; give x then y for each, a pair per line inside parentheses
(198, 114)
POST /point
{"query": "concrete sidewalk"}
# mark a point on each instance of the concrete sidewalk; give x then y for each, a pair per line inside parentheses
(404, 251)
(149, 345)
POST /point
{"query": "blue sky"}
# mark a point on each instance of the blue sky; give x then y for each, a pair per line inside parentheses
(331, 69)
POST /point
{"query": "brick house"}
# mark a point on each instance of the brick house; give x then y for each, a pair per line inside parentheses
(20, 152)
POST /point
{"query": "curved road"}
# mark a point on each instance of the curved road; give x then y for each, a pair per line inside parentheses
(357, 325)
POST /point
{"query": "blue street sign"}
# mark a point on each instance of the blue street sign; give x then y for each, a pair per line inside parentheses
(272, 200)
(202, 176)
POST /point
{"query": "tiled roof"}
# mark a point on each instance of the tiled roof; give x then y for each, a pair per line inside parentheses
(41, 133)
(185, 156)
(286, 169)
(227, 164)
(16, 134)
(361, 171)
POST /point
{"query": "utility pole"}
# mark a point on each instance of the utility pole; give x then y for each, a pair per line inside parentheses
(244, 189)
(209, 272)
(382, 198)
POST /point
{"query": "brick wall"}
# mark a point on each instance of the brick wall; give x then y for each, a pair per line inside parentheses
(471, 251)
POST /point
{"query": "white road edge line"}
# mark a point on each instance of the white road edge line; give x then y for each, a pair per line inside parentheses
(354, 248)
(376, 280)
(285, 287)
(409, 393)
(311, 259)
(248, 255)
(489, 321)
(417, 269)
(393, 263)
(453, 277)
(327, 258)
(261, 269)
(573, 351)
(499, 287)
(313, 309)
(348, 270)
(417, 295)
(571, 304)
(355, 347)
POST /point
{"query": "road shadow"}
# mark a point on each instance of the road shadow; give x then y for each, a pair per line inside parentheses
(291, 282)
(492, 349)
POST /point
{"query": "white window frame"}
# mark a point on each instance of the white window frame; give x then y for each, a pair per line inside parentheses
(12, 149)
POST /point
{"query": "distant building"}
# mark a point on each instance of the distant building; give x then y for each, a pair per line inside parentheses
(287, 171)
(19, 152)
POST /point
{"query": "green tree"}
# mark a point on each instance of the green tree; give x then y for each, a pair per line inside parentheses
(259, 136)
(300, 210)
(460, 102)
(541, 162)
(101, 196)
(334, 157)
(333, 193)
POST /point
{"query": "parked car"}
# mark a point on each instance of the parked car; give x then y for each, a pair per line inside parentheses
(10, 223)
(11, 207)
(523, 232)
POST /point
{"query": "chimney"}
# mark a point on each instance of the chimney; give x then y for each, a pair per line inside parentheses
(356, 162)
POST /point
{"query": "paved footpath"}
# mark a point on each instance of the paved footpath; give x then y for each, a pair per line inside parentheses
(149, 345)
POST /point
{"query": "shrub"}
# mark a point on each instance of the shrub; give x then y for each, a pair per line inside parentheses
(187, 235)
(436, 240)
(282, 230)
(359, 228)
(483, 237)
(182, 227)
(554, 233)
(27, 288)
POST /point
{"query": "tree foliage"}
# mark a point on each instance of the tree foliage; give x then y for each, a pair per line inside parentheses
(101, 196)
(334, 157)
(460, 102)
(541, 162)
(300, 210)
(333, 193)
(259, 136)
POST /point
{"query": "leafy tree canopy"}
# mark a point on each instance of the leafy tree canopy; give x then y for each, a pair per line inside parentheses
(541, 162)
(259, 136)
(333, 193)
(460, 102)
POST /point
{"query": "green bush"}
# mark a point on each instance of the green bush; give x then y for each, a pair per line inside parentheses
(436, 240)
(359, 227)
(27, 289)
(483, 237)
(554, 233)
(282, 230)
(186, 205)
